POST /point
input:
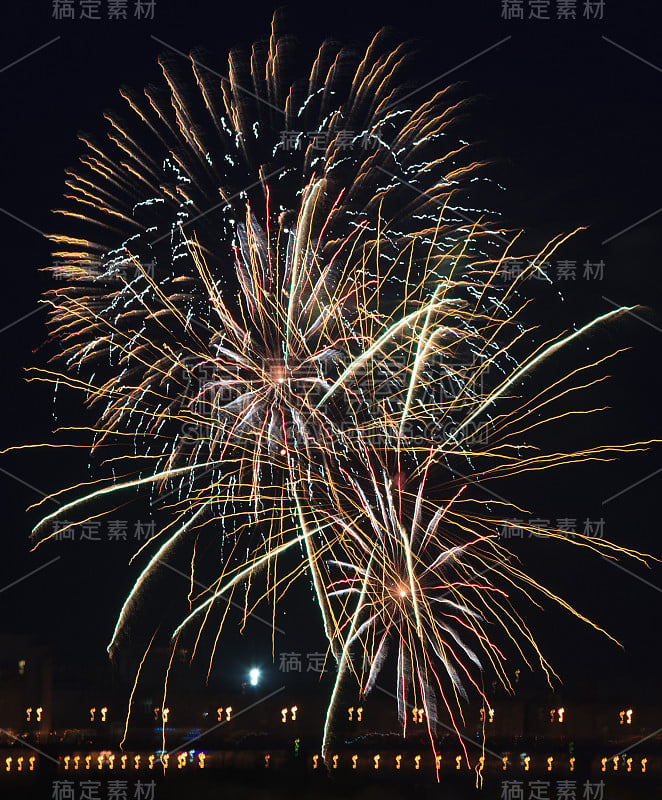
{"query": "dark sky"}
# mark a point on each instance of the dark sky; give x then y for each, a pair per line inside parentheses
(573, 122)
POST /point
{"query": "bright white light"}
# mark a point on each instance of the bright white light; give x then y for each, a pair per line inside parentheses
(254, 675)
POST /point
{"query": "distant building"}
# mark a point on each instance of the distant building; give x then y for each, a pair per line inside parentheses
(26, 685)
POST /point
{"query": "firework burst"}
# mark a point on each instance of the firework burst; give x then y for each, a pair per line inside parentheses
(283, 298)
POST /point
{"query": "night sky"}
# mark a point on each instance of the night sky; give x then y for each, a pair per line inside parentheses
(572, 123)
